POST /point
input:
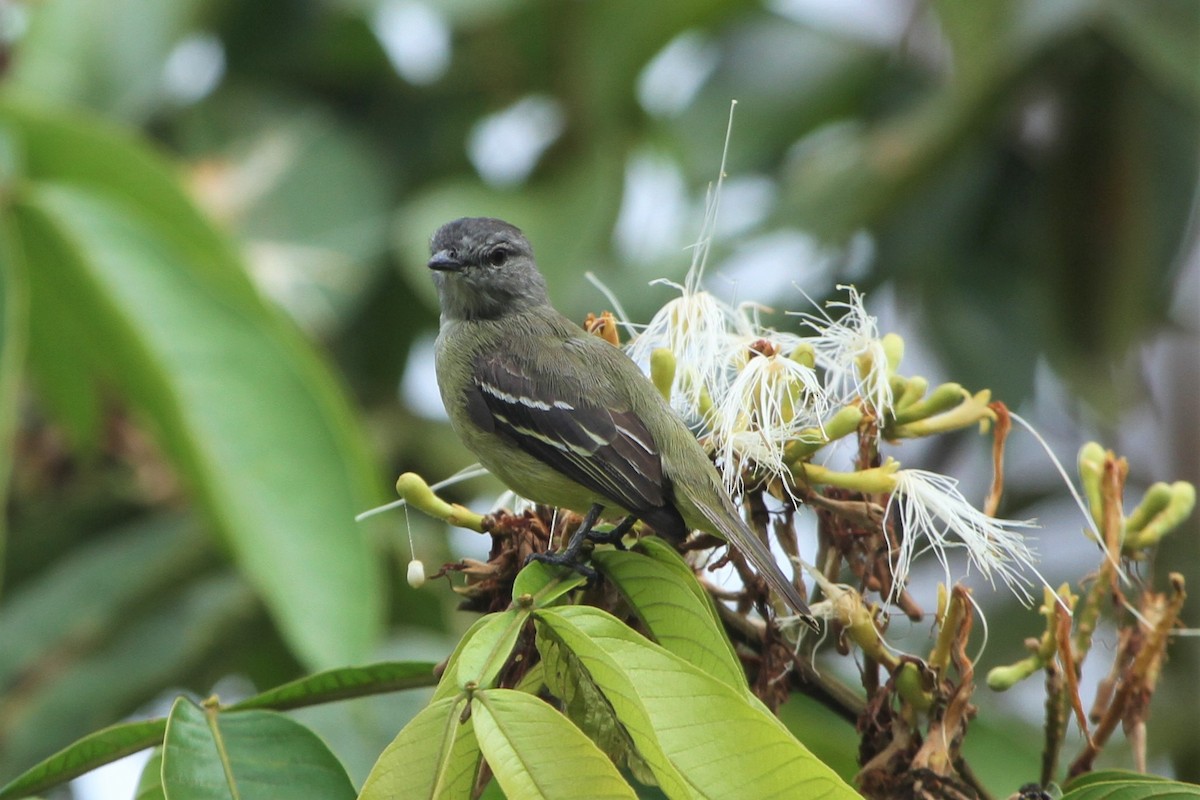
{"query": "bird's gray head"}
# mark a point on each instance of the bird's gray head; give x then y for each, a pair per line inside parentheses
(484, 269)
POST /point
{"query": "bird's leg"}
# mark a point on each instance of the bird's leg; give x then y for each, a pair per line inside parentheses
(616, 534)
(570, 556)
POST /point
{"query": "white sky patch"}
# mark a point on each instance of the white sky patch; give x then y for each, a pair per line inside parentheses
(418, 386)
(506, 146)
(654, 209)
(668, 84)
(117, 779)
(415, 38)
(865, 20)
(193, 68)
(773, 263)
(745, 203)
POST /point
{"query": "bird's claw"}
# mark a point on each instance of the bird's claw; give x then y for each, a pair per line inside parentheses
(570, 561)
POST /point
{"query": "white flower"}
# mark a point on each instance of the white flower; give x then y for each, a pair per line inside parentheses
(934, 515)
(695, 327)
(770, 401)
(852, 354)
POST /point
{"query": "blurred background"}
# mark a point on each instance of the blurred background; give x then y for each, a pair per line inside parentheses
(1012, 184)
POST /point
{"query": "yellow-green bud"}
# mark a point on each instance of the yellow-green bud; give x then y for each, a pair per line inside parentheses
(1091, 470)
(1162, 510)
(843, 423)
(416, 492)
(878, 480)
(1006, 677)
(893, 348)
(804, 355)
(943, 399)
(967, 409)
(662, 371)
(910, 687)
(911, 390)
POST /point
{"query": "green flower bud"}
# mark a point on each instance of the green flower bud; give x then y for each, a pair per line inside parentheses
(662, 371)
(416, 492)
(805, 355)
(1091, 469)
(893, 347)
(1162, 510)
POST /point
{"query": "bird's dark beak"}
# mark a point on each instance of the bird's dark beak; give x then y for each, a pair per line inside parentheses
(444, 261)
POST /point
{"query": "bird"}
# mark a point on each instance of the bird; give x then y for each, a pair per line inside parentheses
(561, 416)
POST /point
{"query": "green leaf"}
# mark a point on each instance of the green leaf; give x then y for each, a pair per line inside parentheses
(1117, 784)
(94, 750)
(513, 729)
(1126, 788)
(248, 755)
(717, 743)
(544, 584)
(150, 785)
(342, 684)
(489, 649)
(449, 685)
(109, 744)
(666, 600)
(106, 161)
(585, 705)
(1111, 776)
(234, 403)
(14, 335)
(435, 756)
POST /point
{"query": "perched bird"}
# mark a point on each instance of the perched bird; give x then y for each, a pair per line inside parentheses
(561, 416)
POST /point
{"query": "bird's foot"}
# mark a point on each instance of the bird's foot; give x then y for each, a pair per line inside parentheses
(567, 559)
(614, 535)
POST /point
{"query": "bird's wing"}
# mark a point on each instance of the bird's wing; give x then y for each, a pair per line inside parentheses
(724, 518)
(607, 450)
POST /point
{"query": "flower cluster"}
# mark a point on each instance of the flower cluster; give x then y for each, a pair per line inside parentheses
(766, 401)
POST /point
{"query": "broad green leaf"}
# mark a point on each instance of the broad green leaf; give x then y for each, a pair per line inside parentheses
(112, 57)
(247, 755)
(448, 685)
(585, 705)
(160, 646)
(1111, 776)
(666, 554)
(544, 584)
(150, 785)
(514, 728)
(1134, 789)
(14, 335)
(679, 620)
(234, 404)
(342, 684)
(94, 750)
(489, 649)
(435, 756)
(718, 742)
(91, 153)
(109, 744)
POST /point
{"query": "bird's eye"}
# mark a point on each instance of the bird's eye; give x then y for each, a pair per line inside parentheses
(497, 256)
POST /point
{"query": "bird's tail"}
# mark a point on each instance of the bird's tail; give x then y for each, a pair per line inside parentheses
(738, 533)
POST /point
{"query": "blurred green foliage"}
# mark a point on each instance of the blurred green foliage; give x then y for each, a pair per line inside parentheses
(185, 456)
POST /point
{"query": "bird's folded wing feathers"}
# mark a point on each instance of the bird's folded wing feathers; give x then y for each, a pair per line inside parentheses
(737, 533)
(609, 451)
